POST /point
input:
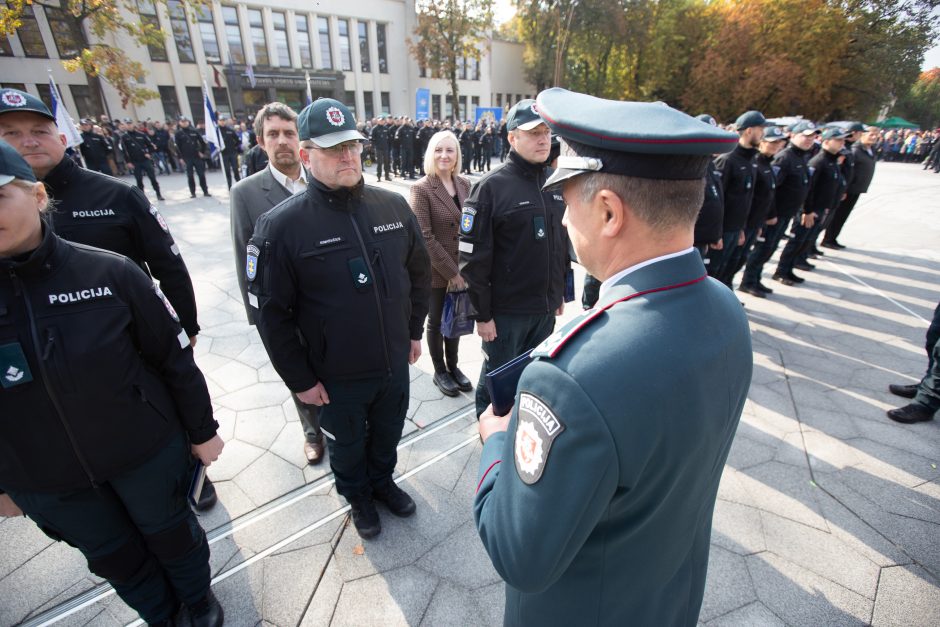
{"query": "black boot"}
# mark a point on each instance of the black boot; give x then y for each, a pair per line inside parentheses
(206, 612)
(451, 346)
(396, 500)
(364, 516)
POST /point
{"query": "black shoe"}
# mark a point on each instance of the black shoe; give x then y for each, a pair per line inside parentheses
(817, 252)
(752, 290)
(207, 612)
(833, 245)
(446, 384)
(907, 391)
(796, 279)
(396, 500)
(763, 288)
(159, 197)
(208, 498)
(192, 194)
(207, 194)
(910, 414)
(804, 265)
(786, 279)
(463, 383)
(365, 517)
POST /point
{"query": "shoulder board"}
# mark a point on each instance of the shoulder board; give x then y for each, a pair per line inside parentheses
(554, 342)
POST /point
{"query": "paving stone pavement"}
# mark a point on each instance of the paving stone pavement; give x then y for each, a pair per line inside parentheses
(827, 514)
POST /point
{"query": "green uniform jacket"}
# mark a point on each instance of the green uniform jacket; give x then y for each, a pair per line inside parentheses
(596, 505)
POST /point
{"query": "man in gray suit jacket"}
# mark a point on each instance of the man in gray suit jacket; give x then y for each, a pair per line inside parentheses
(276, 129)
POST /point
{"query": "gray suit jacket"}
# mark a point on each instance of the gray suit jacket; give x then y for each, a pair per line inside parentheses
(251, 197)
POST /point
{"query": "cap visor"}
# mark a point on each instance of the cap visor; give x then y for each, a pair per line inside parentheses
(528, 126)
(559, 176)
(6, 178)
(331, 139)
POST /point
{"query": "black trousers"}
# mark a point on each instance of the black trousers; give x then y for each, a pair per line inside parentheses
(200, 166)
(140, 167)
(839, 217)
(407, 161)
(363, 423)
(137, 531)
(443, 350)
(928, 392)
(799, 245)
(382, 159)
(230, 165)
(515, 334)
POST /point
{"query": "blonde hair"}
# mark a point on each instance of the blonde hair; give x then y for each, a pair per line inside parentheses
(436, 139)
(30, 186)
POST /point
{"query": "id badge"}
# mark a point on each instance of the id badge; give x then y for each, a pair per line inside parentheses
(538, 227)
(14, 369)
(359, 271)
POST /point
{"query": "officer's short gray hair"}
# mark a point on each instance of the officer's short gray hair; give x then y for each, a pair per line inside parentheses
(270, 110)
(662, 204)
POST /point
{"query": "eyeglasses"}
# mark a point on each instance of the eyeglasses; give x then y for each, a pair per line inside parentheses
(339, 150)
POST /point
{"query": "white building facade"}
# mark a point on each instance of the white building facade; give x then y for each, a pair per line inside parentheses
(250, 52)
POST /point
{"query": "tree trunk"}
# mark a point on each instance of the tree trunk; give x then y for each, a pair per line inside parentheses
(454, 93)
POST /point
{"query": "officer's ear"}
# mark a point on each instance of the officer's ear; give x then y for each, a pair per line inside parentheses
(612, 212)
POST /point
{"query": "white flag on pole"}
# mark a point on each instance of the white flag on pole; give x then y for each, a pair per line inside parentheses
(62, 118)
(213, 136)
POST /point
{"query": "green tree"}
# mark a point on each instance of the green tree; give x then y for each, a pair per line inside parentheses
(95, 19)
(448, 32)
(922, 103)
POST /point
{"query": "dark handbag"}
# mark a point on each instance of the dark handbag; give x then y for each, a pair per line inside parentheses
(456, 318)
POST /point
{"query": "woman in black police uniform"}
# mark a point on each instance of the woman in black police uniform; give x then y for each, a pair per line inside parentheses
(101, 407)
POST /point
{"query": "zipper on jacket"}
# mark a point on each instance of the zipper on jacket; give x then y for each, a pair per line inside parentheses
(44, 375)
(375, 292)
(548, 284)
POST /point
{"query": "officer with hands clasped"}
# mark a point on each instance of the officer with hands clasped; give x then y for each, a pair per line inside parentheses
(596, 492)
(513, 250)
(102, 407)
(341, 278)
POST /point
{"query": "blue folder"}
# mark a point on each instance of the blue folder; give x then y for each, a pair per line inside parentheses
(502, 383)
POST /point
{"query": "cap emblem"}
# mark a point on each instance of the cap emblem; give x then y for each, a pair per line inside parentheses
(13, 99)
(335, 117)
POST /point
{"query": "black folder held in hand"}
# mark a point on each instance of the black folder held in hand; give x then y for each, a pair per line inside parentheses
(502, 383)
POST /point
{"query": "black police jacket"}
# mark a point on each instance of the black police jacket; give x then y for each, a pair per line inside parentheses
(738, 172)
(406, 136)
(864, 169)
(825, 183)
(341, 280)
(137, 147)
(190, 143)
(708, 223)
(765, 191)
(792, 180)
(513, 249)
(161, 139)
(95, 148)
(255, 160)
(102, 211)
(96, 373)
(379, 137)
(230, 139)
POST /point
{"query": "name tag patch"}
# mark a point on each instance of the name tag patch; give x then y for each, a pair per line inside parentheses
(536, 431)
(93, 213)
(384, 228)
(79, 295)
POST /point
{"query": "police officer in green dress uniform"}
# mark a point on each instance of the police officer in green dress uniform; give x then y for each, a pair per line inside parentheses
(596, 491)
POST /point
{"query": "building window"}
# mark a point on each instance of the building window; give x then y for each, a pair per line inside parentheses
(422, 71)
(196, 104)
(148, 16)
(220, 101)
(303, 41)
(474, 104)
(45, 94)
(349, 99)
(448, 106)
(364, 47)
(436, 106)
(87, 101)
(280, 39)
(474, 71)
(499, 100)
(383, 55)
(30, 36)
(184, 45)
(66, 32)
(518, 98)
(258, 42)
(367, 104)
(210, 43)
(386, 106)
(6, 50)
(171, 105)
(20, 86)
(345, 54)
(326, 51)
(233, 35)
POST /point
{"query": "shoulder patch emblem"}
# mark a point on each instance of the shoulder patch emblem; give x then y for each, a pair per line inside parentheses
(466, 220)
(251, 264)
(159, 218)
(536, 431)
(166, 302)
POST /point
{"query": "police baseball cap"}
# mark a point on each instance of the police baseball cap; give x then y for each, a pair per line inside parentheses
(327, 122)
(16, 100)
(804, 127)
(833, 132)
(855, 127)
(774, 134)
(641, 139)
(13, 166)
(524, 115)
(704, 117)
(750, 119)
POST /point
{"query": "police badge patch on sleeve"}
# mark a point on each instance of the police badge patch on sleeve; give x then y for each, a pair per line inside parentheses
(166, 302)
(251, 263)
(466, 220)
(536, 431)
(159, 218)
